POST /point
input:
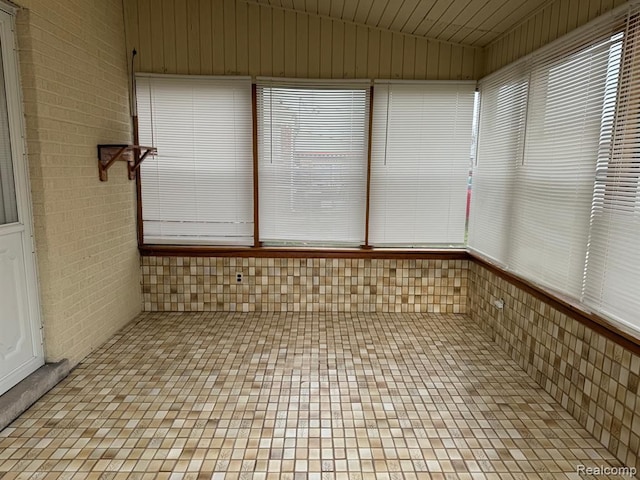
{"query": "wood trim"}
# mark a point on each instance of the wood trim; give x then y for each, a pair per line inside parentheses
(567, 306)
(139, 224)
(369, 148)
(256, 200)
(285, 252)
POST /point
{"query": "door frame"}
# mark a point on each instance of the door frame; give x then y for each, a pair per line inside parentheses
(22, 187)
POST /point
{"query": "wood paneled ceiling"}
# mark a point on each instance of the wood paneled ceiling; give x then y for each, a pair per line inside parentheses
(467, 22)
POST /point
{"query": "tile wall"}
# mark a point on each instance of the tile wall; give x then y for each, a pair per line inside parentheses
(592, 377)
(304, 285)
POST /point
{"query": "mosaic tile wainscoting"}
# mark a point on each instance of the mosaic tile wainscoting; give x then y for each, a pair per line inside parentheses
(592, 377)
(186, 284)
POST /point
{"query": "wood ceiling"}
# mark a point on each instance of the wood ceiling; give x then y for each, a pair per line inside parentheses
(467, 22)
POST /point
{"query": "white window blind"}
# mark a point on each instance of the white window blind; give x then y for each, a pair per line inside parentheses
(312, 147)
(554, 180)
(199, 187)
(422, 135)
(573, 220)
(503, 101)
(537, 156)
(612, 279)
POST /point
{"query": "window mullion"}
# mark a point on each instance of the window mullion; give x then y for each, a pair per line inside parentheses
(369, 148)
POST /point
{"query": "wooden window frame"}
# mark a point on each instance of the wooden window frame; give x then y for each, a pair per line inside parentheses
(363, 251)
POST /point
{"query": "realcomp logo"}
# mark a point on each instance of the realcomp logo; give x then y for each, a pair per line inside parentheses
(607, 470)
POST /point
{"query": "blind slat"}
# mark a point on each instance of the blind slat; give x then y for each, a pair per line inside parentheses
(554, 182)
(312, 152)
(556, 194)
(500, 143)
(422, 135)
(612, 274)
(198, 189)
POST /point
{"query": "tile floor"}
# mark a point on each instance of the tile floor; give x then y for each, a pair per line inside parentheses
(295, 396)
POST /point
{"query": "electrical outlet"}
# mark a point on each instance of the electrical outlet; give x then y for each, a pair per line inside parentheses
(499, 303)
(239, 277)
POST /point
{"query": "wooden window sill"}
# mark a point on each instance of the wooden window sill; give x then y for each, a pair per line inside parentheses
(302, 252)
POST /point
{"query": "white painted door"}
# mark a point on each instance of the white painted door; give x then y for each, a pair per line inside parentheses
(20, 336)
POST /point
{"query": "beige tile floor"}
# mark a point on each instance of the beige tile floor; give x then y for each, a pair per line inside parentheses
(295, 396)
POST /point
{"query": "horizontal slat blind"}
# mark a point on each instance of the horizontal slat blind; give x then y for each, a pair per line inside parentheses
(422, 135)
(199, 187)
(547, 125)
(312, 147)
(503, 103)
(612, 279)
(554, 182)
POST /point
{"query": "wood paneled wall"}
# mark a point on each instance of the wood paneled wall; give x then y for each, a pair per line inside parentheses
(551, 22)
(229, 37)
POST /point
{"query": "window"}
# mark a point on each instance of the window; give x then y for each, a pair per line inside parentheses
(199, 188)
(566, 197)
(422, 136)
(8, 203)
(503, 101)
(612, 274)
(554, 180)
(537, 160)
(312, 145)
(312, 150)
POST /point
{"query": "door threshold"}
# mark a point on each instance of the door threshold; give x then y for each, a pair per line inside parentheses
(15, 401)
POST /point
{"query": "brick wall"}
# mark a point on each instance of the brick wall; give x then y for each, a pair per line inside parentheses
(74, 79)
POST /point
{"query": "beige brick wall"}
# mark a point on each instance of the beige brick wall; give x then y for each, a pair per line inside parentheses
(74, 78)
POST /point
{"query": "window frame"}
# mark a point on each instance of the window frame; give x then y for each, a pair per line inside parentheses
(422, 89)
(258, 249)
(282, 89)
(136, 133)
